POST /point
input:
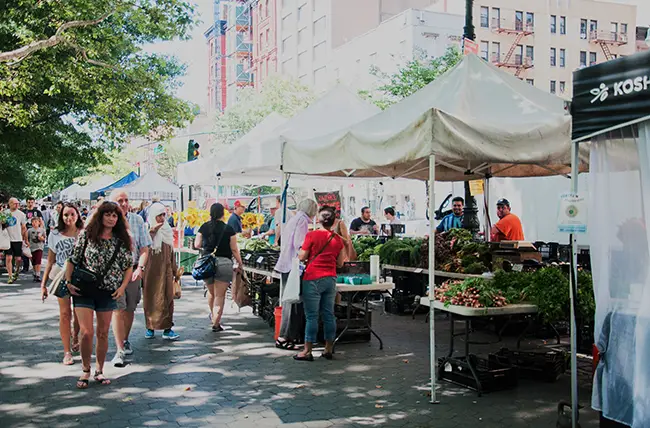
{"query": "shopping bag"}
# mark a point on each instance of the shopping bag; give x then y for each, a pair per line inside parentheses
(241, 294)
(177, 283)
(26, 251)
(5, 241)
(291, 293)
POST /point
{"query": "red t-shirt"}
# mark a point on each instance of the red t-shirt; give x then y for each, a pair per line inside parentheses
(324, 264)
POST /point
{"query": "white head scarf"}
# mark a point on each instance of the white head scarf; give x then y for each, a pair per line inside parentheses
(165, 233)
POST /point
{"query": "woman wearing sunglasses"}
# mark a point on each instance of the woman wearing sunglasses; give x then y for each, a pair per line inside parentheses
(104, 248)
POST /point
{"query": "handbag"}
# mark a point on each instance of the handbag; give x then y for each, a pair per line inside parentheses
(5, 241)
(27, 252)
(88, 281)
(206, 265)
(58, 287)
(293, 288)
(177, 283)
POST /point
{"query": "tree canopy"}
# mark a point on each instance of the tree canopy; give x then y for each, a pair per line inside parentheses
(282, 95)
(75, 82)
(414, 75)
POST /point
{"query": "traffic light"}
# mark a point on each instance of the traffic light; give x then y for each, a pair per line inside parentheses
(192, 150)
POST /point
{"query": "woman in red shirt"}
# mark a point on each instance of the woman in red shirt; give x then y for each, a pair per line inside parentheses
(322, 252)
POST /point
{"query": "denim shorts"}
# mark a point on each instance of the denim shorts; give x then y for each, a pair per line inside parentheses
(98, 304)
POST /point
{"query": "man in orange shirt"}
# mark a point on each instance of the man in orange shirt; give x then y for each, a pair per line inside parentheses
(508, 228)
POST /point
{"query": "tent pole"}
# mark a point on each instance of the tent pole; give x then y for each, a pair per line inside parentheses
(572, 291)
(432, 270)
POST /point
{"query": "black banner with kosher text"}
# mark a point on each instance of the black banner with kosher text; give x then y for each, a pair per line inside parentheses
(610, 94)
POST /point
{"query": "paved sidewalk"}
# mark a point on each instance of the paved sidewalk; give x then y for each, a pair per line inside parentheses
(238, 379)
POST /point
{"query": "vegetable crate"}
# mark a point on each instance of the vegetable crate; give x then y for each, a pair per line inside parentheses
(492, 374)
(547, 365)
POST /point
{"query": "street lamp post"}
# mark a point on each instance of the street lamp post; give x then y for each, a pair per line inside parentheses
(470, 218)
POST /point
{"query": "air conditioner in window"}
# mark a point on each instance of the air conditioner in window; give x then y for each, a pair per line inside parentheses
(583, 36)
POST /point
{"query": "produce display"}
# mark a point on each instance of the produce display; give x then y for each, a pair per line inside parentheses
(473, 293)
(252, 220)
(194, 217)
(455, 252)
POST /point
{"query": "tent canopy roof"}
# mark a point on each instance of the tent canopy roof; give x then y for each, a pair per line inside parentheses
(152, 184)
(477, 120)
(337, 109)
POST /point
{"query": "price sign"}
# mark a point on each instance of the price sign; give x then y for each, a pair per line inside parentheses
(518, 267)
(260, 259)
(331, 199)
(418, 270)
(476, 187)
(248, 256)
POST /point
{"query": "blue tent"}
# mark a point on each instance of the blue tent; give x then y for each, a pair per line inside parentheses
(130, 177)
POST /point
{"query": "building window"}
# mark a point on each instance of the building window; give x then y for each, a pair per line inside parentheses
(624, 30)
(553, 24)
(319, 77)
(319, 52)
(485, 47)
(496, 17)
(319, 29)
(496, 51)
(583, 59)
(552, 86)
(530, 21)
(301, 35)
(485, 17)
(562, 86)
(530, 54)
(519, 60)
(519, 20)
(553, 52)
(583, 29)
(593, 27)
(266, 7)
(562, 57)
(285, 22)
(592, 58)
(530, 82)
(285, 44)
(614, 30)
(562, 24)
(301, 60)
(268, 32)
(301, 9)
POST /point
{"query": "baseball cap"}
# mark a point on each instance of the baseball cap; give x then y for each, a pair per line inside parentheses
(503, 201)
(237, 203)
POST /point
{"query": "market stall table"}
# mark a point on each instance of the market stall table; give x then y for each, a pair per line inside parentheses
(352, 291)
(466, 314)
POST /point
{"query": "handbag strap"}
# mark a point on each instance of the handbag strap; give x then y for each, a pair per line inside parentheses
(321, 250)
(216, 246)
(111, 261)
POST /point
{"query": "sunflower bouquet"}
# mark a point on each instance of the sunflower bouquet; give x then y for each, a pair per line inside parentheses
(194, 217)
(252, 220)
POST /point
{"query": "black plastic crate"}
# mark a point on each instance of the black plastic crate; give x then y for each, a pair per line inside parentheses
(545, 365)
(492, 374)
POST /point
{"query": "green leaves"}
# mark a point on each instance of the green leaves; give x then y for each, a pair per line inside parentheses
(410, 78)
(94, 88)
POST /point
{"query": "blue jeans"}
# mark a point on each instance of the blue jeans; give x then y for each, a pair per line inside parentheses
(318, 296)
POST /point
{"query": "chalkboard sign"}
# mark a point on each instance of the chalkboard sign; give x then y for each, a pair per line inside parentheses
(330, 199)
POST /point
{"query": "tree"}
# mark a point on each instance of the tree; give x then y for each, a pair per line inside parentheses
(74, 80)
(168, 160)
(413, 76)
(279, 94)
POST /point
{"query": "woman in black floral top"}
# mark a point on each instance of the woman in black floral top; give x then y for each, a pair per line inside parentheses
(107, 233)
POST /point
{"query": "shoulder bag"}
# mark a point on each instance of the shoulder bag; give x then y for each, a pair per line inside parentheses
(293, 288)
(88, 281)
(206, 265)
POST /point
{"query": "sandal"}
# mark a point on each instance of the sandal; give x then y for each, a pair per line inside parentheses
(217, 328)
(308, 357)
(81, 382)
(99, 377)
(285, 344)
(68, 359)
(327, 355)
(75, 346)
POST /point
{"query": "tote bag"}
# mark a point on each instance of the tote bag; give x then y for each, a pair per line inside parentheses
(5, 241)
(291, 292)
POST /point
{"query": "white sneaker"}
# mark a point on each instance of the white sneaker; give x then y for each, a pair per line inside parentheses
(127, 348)
(118, 359)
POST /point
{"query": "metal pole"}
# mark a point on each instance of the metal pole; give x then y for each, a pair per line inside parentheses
(468, 30)
(573, 287)
(432, 284)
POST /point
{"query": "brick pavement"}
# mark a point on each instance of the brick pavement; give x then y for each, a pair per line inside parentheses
(238, 379)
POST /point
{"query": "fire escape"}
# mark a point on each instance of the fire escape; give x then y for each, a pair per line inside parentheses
(514, 58)
(605, 39)
(243, 42)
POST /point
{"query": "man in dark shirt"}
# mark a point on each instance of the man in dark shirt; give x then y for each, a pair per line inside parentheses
(235, 218)
(364, 225)
(30, 212)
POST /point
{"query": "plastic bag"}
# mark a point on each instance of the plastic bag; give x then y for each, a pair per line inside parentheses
(26, 251)
(5, 241)
(291, 293)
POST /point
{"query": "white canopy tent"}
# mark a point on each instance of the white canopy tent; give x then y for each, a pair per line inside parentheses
(475, 121)
(256, 157)
(84, 192)
(69, 193)
(152, 184)
(205, 170)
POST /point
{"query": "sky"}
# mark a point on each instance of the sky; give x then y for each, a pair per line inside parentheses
(194, 54)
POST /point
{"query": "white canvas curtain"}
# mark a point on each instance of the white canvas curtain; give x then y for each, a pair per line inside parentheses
(619, 215)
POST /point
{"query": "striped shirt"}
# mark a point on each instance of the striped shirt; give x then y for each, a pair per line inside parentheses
(139, 235)
(450, 221)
